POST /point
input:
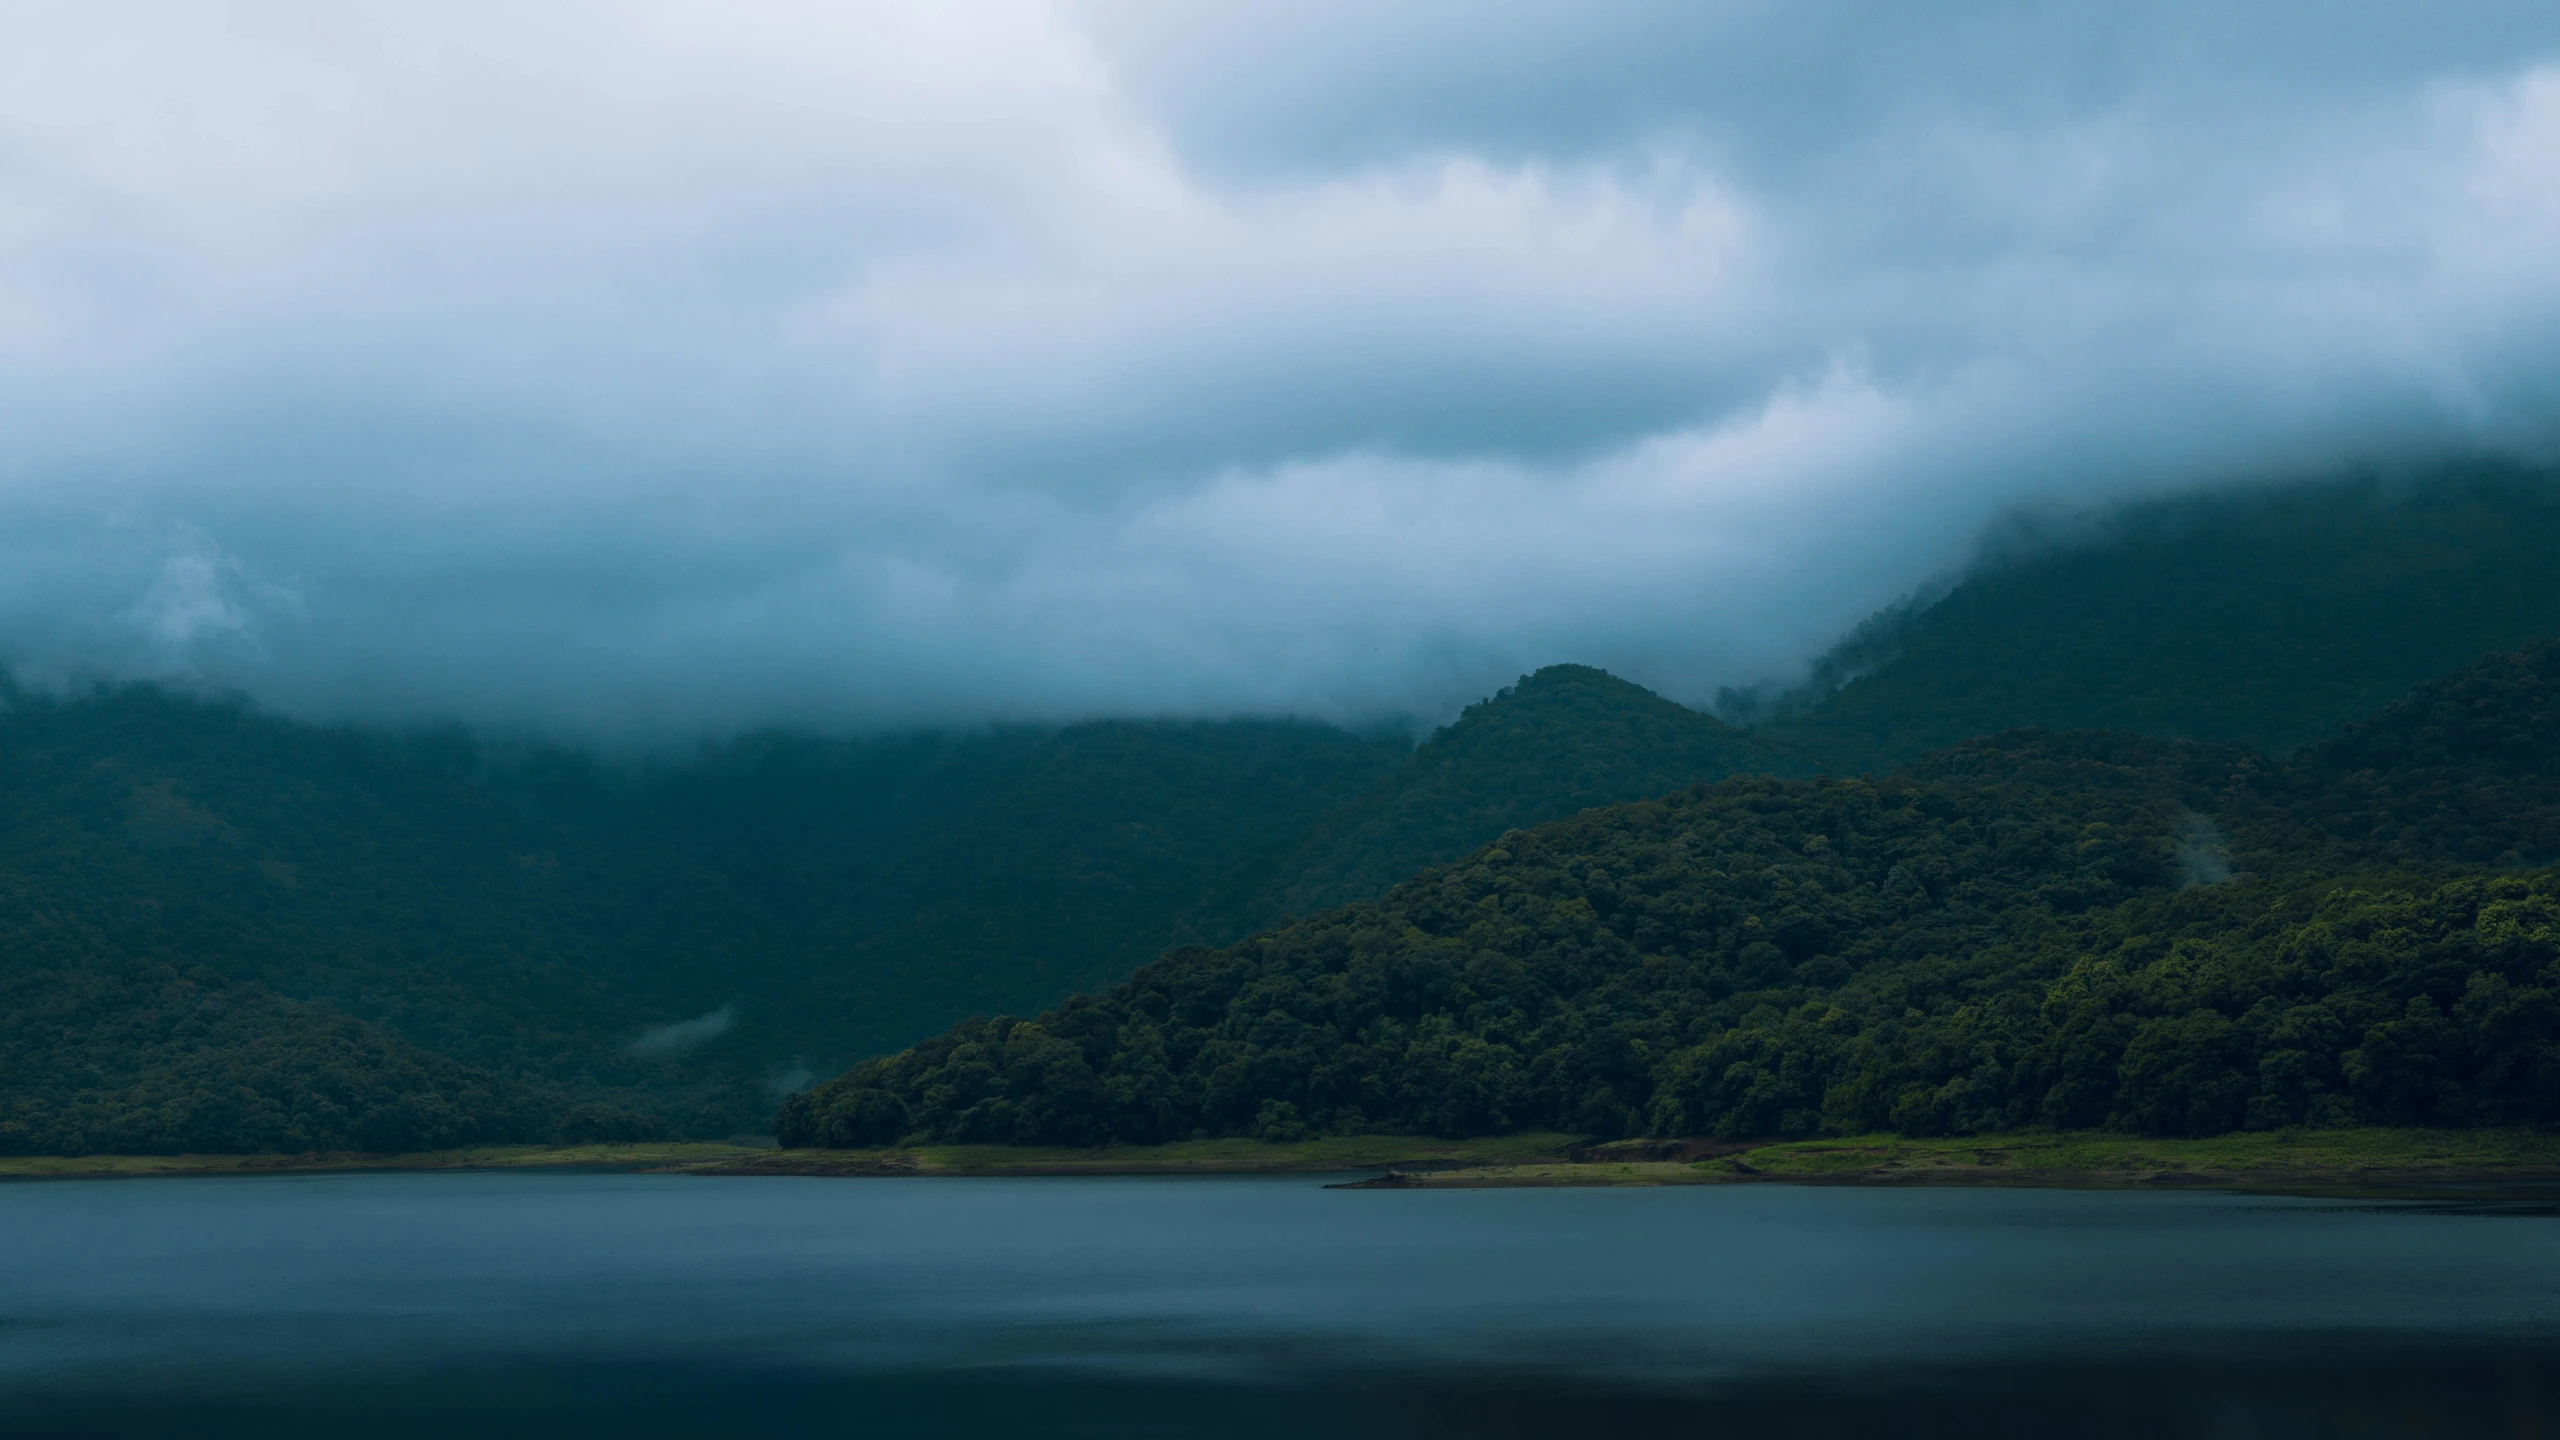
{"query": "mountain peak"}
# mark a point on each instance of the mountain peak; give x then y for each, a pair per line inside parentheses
(1559, 740)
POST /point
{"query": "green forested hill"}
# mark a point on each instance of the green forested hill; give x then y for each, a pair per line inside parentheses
(538, 915)
(2462, 770)
(139, 1058)
(1562, 740)
(539, 918)
(387, 879)
(101, 1050)
(2267, 618)
(928, 876)
(2067, 929)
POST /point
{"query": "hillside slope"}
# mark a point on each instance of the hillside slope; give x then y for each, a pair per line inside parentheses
(2073, 929)
(540, 915)
(101, 1050)
(678, 942)
(901, 882)
(1562, 740)
(2268, 618)
(554, 921)
(543, 918)
(2462, 769)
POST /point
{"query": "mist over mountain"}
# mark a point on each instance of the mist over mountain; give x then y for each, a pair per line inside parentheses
(2266, 617)
(2013, 932)
(634, 375)
(456, 937)
(557, 922)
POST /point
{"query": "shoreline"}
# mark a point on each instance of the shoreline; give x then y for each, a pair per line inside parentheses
(1332, 1155)
(2369, 1163)
(2481, 1164)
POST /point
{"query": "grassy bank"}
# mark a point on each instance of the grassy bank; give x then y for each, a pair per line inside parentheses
(1188, 1157)
(488, 1157)
(1205, 1157)
(2347, 1154)
(2308, 1160)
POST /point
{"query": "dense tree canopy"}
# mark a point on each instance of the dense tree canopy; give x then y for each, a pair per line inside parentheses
(2058, 929)
(2266, 618)
(532, 914)
(100, 1051)
(459, 929)
(1562, 740)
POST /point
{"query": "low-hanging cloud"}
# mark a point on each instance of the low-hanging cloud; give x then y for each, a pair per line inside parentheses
(640, 370)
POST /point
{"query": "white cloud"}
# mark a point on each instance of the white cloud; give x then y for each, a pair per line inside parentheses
(201, 599)
(644, 368)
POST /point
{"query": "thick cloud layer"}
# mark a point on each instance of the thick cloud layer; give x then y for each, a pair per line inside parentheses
(637, 369)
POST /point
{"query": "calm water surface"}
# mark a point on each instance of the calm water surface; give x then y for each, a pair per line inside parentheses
(626, 1304)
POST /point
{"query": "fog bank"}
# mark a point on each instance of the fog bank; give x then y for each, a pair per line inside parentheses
(643, 370)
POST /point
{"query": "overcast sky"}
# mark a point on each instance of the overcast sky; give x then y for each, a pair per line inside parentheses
(635, 369)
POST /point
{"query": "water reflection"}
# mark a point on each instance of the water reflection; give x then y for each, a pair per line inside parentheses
(570, 1304)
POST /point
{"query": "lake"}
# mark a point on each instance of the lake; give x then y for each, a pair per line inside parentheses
(563, 1304)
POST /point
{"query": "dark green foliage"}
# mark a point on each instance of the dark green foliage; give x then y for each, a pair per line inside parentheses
(1563, 740)
(149, 1061)
(2262, 618)
(897, 883)
(1570, 976)
(2460, 770)
(2400, 1002)
(530, 913)
(101, 1052)
(2008, 934)
(534, 913)
(389, 880)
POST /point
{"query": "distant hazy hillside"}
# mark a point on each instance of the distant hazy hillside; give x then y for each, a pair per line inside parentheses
(542, 916)
(486, 940)
(539, 917)
(2070, 930)
(900, 883)
(380, 879)
(1564, 739)
(101, 1050)
(2266, 618)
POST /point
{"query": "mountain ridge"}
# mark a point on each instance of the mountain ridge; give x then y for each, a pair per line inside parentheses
(1562, 738)
(2267, 616)
(789, 904)
(2009, 933)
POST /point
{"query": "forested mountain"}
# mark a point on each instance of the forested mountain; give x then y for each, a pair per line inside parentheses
(617, 947)
(899, 882)
(386, 880)
(543, 917)
(2266, 618)
(104, 1052)
(2076, 929)
(540, 914)
(2464, 769)
(1563, 740)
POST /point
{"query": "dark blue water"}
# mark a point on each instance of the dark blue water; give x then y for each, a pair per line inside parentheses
(625, 1304)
